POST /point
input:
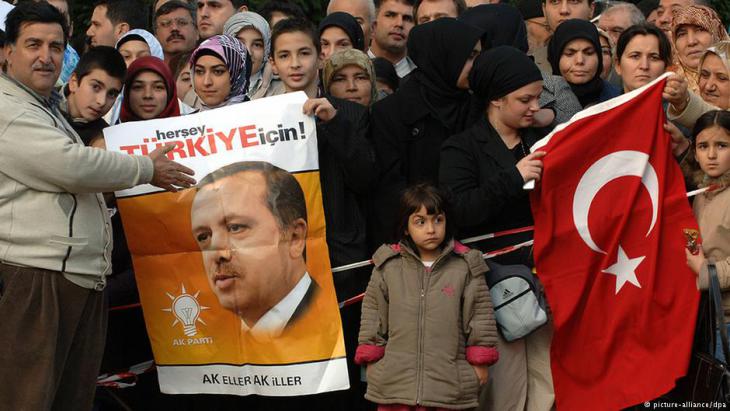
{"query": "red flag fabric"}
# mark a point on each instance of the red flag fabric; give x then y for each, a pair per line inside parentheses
(609, 213)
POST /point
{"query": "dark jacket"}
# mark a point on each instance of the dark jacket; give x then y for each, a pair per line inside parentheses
(481, 173)
(608, 92)
(347, 169)
(406, 138)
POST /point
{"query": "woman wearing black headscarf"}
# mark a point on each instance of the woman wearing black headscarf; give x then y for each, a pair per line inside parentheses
(503, 26)
(574, 52)
(409, 126)
(339, 31)
(485, 168)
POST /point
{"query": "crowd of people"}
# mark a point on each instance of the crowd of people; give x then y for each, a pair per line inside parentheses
(426, 112)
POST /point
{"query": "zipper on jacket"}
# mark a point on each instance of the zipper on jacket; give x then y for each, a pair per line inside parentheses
(70, 232)
(425, 279)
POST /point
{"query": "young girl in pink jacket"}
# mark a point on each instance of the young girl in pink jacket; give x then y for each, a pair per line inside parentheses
(427, 332)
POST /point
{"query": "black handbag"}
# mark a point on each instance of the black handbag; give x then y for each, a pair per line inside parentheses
(707, 379)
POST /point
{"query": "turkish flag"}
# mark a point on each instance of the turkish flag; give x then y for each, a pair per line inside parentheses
(609, 212)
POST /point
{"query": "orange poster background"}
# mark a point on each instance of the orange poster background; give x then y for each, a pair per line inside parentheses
(166, 258)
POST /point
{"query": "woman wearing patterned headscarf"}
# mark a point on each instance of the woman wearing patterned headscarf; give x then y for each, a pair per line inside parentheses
(221, 68)
(349, 75)
(254, 32)
(694, 29)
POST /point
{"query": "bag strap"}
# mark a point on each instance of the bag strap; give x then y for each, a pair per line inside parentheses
(716, 298)
(716, 302)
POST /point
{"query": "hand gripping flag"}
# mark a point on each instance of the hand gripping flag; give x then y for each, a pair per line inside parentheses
(609, 218)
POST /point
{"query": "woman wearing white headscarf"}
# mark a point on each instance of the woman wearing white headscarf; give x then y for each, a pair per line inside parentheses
(139, 43)
(253, 31)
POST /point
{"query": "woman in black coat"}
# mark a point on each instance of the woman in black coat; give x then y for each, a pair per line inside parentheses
(408, 127)
(486, 166)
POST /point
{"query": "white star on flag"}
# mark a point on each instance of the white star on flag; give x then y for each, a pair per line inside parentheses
(624, 269)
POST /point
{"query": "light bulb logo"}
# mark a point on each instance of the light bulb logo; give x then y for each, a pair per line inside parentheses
(187, 310)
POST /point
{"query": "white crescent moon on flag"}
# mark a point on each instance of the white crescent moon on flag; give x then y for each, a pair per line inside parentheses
(605, 170)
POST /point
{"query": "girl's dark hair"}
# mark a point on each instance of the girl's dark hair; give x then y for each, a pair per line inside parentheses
(720, 118)
(433, 198)
(645, 29)
(690, 167)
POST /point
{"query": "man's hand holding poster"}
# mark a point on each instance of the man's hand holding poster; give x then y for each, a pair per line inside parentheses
(234, 274)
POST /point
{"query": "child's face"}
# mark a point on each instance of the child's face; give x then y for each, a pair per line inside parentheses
(712, 150)
(94, 95)
(148, 95)
(212, 80)
(426, 230)
(295, 60)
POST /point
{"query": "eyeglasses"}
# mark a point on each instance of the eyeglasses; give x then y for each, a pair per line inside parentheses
(179, 22)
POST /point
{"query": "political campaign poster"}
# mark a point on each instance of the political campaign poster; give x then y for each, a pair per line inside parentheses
(233, 274)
